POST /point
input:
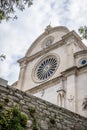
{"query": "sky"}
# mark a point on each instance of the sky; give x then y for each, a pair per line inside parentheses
(16, 36)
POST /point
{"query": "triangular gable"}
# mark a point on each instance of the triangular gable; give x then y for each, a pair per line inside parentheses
(36, 45)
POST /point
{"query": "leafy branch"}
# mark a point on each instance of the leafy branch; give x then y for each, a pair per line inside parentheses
(8, 7)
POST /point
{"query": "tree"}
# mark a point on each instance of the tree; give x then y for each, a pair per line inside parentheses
(2, 57)
(8, 7)
(83, 32)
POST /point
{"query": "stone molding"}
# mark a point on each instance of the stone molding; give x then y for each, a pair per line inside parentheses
(71, 71)
(38, 54)
(54, 46)
(43, 45)
(75, 36)
(44, 85)
(80, 53)
(33, 75)
(47, 31)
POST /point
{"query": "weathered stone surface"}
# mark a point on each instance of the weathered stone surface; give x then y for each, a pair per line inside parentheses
(44, 112)
(19, 95)
(29, 123)
(44, 125)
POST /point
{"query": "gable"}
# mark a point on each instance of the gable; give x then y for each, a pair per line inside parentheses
(50, 36)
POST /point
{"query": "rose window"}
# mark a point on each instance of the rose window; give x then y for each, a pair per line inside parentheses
(83, 62)
(46, 68)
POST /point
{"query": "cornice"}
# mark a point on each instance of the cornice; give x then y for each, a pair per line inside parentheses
(71, 71)
(44, 51)
(83, 52)
(77, 37)
(54, 46)
(82, 69)
(70, 33)
(74, 70)
(48, 30)
(44, 85)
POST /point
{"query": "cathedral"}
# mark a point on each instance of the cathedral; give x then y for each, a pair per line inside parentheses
(54, 68)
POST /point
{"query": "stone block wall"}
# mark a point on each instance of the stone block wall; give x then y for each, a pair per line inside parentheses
(47, 116)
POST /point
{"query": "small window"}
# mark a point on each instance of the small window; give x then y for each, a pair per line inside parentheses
(48, 42)
(83, 62)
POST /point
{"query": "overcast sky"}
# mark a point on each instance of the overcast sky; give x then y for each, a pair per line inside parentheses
(17, 36)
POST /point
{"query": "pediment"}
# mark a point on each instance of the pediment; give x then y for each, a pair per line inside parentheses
(51, 35)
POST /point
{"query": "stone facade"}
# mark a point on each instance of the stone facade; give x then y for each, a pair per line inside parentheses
(48, 116)
(61, 80)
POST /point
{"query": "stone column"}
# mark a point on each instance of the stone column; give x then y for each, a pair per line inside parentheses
(71, 93)
(61, 94)
(70, 52)
(20, 84)
(61, 98)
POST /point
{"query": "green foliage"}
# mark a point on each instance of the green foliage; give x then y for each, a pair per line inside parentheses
(1, 105)
(13, 119)
(35, 124)
(2, 57)
(53, 129)
(35, 127)
(31, 110)
(8, 7)
(83, 32)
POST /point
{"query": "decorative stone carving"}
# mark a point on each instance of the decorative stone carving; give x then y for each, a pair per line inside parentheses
(71, 40)
(47, 42)
(42, 93)
(45, 68)
(48, 28)
(61, 97)
(71, 98)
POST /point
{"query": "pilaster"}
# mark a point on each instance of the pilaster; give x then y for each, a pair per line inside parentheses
(71, 93)
(20, 84)
(70, 52)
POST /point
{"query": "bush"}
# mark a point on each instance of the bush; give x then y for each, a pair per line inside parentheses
(13, 119)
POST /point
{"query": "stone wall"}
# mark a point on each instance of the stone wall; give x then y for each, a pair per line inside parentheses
(47, 115)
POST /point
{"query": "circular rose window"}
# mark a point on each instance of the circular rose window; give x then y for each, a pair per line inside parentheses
(46, 68)
(47, 42)
(83, 62)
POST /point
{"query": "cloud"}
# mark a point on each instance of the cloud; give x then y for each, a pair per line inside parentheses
(76, 14)
(17, 36)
